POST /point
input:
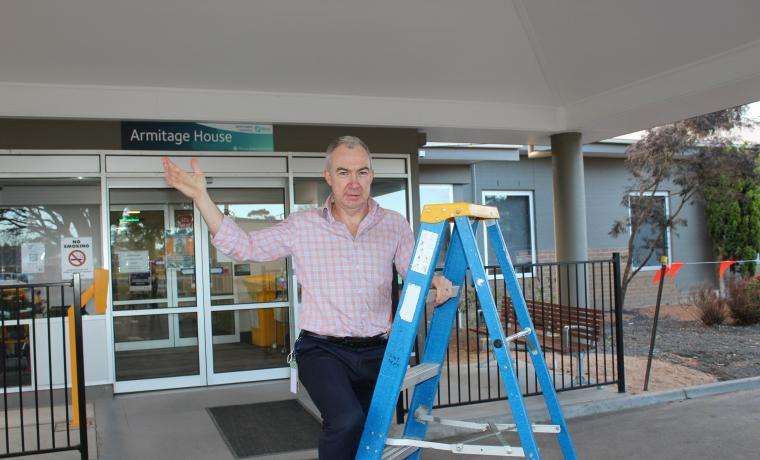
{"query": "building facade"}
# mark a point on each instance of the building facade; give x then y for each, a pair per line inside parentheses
(522, 189)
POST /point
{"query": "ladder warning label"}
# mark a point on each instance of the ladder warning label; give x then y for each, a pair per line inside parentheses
(411, 297)
(424, 254)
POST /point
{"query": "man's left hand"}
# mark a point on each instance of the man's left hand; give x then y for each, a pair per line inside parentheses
(444, 290)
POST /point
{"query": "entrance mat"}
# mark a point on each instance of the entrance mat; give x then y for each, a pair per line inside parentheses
(266, 428)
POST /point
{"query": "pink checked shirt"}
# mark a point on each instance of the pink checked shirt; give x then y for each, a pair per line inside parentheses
(345, 280)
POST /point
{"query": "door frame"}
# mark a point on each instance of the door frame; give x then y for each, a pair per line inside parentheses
(125, 386)
(214, 378)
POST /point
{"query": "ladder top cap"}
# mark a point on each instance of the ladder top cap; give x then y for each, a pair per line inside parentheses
(433, 213)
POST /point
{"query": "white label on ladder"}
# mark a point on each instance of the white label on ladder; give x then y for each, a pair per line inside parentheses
(411, 297)
(424, 254)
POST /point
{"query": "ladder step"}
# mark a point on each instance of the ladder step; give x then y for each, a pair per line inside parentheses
(458, 448)
(517, 335)
(398, 452)
(419, 373)
(421, 416)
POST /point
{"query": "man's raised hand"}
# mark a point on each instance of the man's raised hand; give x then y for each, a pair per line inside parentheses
(192, 185)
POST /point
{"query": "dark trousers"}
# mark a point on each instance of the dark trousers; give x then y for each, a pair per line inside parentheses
(340, 380)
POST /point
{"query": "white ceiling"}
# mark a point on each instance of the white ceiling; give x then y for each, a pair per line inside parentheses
(479, 71)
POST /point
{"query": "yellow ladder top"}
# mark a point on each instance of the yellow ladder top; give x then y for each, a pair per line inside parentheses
(433, 213)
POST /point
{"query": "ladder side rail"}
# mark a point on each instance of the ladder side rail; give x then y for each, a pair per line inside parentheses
(523, 317)
(437, 340)
(496, 337)
(401, 339)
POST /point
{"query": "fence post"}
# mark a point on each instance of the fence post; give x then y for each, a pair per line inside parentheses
(619, 323)
(78, 386)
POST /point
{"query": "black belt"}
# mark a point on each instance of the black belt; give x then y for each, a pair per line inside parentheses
(355, 342)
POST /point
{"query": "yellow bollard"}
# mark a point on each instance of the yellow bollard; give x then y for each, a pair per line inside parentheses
(74, 423)
(98, 290)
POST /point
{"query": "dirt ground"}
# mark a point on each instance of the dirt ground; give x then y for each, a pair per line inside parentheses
(676, 312)
(664, 375)
(724, 352)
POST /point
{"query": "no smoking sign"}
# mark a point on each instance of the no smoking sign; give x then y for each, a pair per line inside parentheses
(76, 257)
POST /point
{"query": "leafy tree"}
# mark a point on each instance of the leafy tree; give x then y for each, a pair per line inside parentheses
(732, 205)
(680, 158)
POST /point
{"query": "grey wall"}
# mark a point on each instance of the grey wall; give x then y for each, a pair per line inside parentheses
(59, 134)
(444, 174)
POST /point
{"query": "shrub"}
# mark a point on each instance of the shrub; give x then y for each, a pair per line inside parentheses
(712, 309)
(744, 300)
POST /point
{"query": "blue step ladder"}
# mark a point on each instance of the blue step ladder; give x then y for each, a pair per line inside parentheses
(395, 375)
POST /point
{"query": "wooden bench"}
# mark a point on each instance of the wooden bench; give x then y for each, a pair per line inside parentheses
(562, 328)
(558, 327)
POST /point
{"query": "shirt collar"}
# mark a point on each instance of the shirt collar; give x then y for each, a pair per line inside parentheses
(328, 214)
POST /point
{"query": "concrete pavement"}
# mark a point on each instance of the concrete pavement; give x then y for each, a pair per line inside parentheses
(725, 426)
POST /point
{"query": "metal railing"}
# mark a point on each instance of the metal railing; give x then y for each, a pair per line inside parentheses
(577, 316)
(37, 369)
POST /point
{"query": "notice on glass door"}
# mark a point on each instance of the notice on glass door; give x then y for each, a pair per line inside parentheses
(180, 248)
(133, 261)
(32, 258)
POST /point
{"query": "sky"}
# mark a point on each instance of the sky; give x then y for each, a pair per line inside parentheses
(750, 135)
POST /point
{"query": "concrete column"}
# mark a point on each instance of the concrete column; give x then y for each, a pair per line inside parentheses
(570, 237)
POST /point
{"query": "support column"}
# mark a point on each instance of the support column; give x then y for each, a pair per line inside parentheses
(570, 237)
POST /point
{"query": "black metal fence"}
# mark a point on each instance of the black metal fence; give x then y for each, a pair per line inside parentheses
(35, 369)
(578, 319)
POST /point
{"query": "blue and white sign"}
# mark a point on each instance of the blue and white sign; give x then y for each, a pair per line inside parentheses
(246, 137)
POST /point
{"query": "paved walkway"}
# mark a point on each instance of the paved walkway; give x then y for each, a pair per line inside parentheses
(175, 425)
(725, 426)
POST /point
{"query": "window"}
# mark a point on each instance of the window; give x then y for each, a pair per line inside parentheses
(436, 193)
(47, 228)
(648, 236)
(38, 217)
(516, 222)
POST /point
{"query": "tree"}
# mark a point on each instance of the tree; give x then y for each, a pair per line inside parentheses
(732, 205)
(679, 158)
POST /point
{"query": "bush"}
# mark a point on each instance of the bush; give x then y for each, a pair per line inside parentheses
(712, 309)
(744, 300)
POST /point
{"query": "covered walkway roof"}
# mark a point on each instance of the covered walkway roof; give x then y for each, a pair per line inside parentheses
(486, 71)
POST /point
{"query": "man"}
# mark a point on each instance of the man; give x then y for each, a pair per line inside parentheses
(343, 254)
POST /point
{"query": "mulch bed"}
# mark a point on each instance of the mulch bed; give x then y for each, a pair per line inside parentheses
(727, 352)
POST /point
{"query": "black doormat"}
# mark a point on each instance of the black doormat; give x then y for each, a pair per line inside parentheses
(266, 428)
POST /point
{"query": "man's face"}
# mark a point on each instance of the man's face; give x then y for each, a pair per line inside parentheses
(350, 177)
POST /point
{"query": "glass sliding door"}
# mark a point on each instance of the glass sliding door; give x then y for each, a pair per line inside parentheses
(247, 306)
(154, 289)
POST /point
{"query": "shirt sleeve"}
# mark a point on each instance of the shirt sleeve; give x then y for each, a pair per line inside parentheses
(259, 246)
(405, 248)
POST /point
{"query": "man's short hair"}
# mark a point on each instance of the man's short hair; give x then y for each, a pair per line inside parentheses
(349, 141)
